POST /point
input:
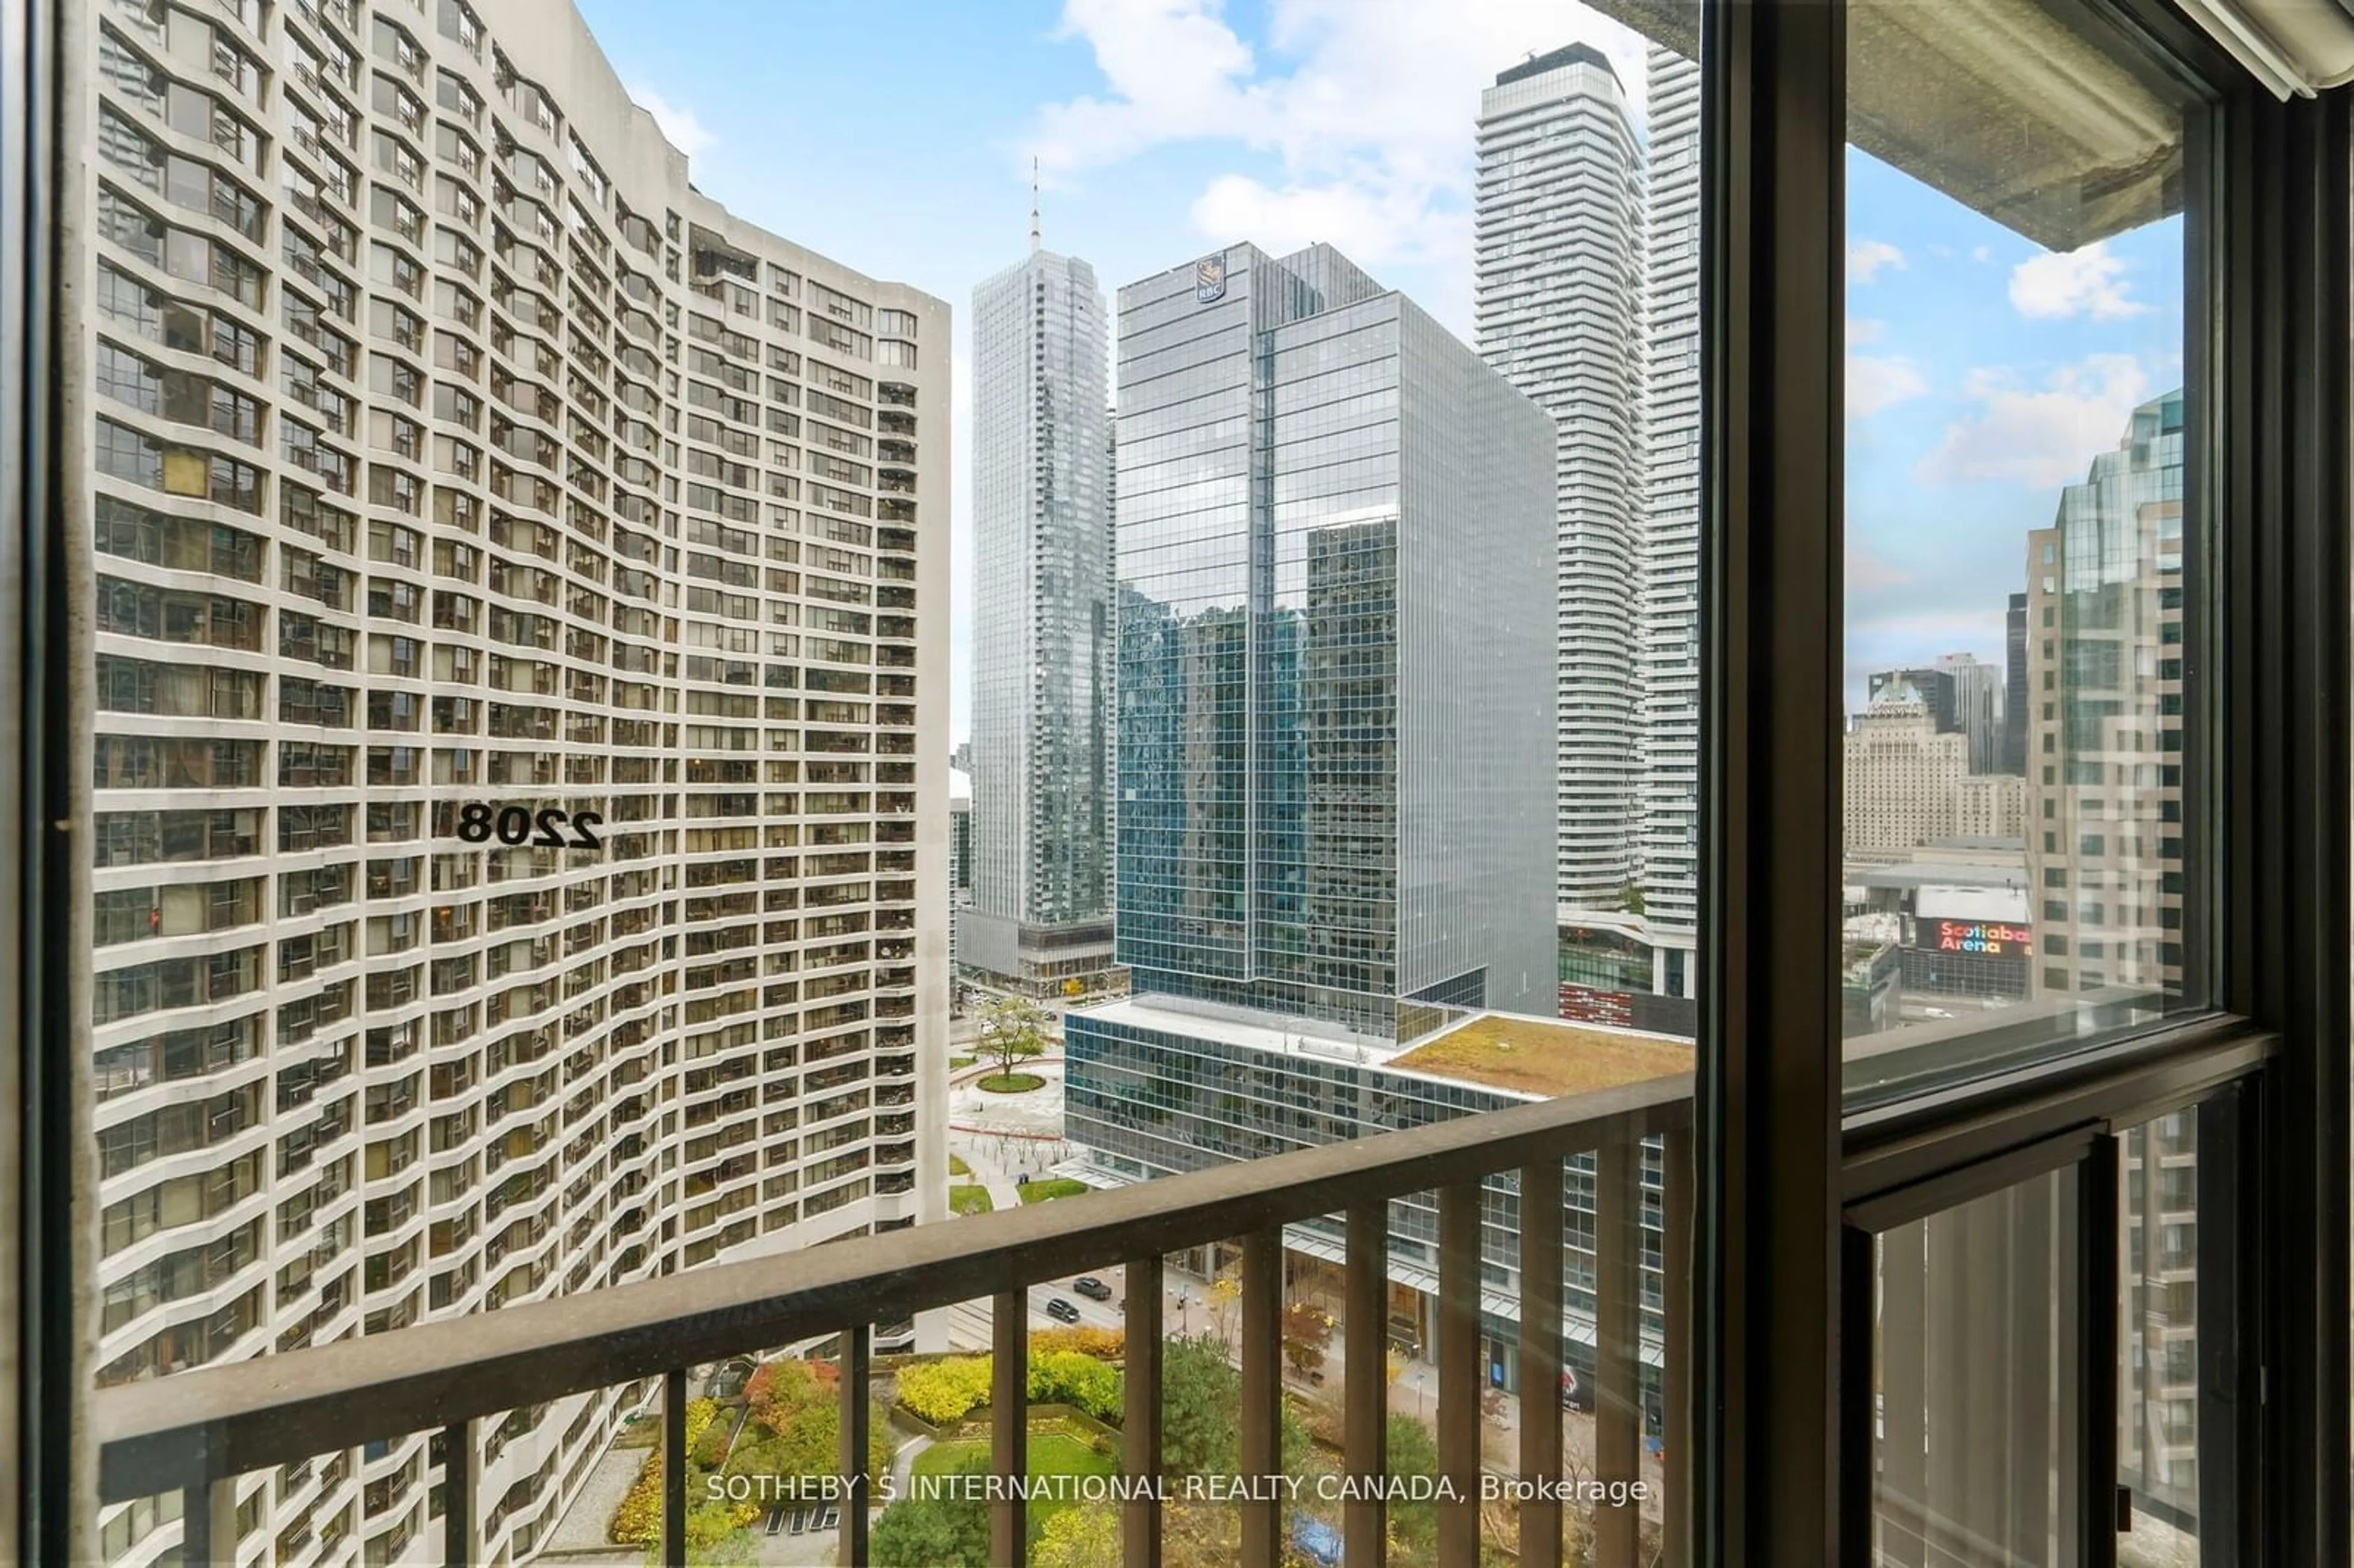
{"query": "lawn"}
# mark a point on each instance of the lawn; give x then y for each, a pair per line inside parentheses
(1052, 1452)
(1053, 1187)
(1545, 1057)
(957, 1166)
(1013, 1082)
(970, 1200)
(958, 1063)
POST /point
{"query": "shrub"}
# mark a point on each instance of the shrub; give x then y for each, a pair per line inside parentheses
(1104, 1344)
(638, 1521)
(1079, 1537)
(1067, 1377)
(784, 1390)
(710, 1449)
(708, 1524)
(944, 1391)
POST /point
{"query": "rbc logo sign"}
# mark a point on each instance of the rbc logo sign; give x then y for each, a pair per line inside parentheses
(1210, 278)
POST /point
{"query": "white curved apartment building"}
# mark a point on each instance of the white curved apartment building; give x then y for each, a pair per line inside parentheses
(1558, 232)
(446, 448)
(1670, 494)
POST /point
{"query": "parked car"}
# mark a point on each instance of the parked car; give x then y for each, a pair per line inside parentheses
(1091, 1287)
(1062, 1311)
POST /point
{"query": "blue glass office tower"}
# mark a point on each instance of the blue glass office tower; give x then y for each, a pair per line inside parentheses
(1335, 654)
(1335, 808)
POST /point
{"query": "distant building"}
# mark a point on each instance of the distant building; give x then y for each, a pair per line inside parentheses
(2106, 601)
(1974, 942)
(1041, 721)
(1931, 685)
(2014, 697)
(1903, 774)
(1335, 798)
(1558, 221)
(1670, 646)
(1229, 1086)
(1990, 806)
(959, 854)
(1977, 702)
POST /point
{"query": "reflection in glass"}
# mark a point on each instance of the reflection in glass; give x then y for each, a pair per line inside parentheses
(2159, 1344)
(1973, 1365)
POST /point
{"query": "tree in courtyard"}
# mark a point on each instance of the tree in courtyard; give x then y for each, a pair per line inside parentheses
(1012, 1029)
(1201, 1412)
(1200, 1393)
(945, 1527)
(931, 1533)
(1413, 1525)
(1306, 1332)
(1224, 1291)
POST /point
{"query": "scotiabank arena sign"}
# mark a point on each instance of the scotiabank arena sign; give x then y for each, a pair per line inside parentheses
(1980, 937)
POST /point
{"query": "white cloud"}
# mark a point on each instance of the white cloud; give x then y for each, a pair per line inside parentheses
(1875, 382)
(1371, 223)
(1175, 71)
(1866, 257)
(2089, 283)
(1862, 330)
(2039, 436)
(1365, 106)
(678, 124)
(1981, 253)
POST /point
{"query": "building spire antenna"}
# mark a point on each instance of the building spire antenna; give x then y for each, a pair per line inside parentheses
(1033, 205)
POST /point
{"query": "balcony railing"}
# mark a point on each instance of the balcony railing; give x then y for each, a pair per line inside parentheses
(197, 1430)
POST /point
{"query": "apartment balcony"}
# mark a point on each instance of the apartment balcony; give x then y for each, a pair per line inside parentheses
(206, 1426)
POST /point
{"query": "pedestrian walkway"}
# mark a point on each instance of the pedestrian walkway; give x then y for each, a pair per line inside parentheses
(1004, 1193)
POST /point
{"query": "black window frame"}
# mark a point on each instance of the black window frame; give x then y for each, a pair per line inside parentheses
(1783, 1172)
(1792, 1185)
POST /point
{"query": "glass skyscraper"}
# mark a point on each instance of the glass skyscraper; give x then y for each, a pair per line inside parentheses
(1335, 809)
(1042, 642)
(2104, 603)
(1334, 664)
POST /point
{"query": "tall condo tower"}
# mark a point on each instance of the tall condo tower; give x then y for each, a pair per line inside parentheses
(1670, 509)
(1558, 224)
(1041, 717)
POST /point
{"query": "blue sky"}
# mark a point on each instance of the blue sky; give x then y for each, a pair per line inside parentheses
(1983, 373)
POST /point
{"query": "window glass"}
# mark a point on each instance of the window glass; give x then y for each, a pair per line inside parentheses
(547, 575)
(2025, 542)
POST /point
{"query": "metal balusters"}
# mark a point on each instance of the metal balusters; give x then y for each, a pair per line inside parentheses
(1679, 1176)
(460, 1507)
(856, 1425)
(674, 1449)
(209, 1523)
(1262, 1396)
(1618, 1342)
(1458, 1359)
(1139, 1439)
(1009, 1426)
(1541, 1456)
(1364, 1525)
